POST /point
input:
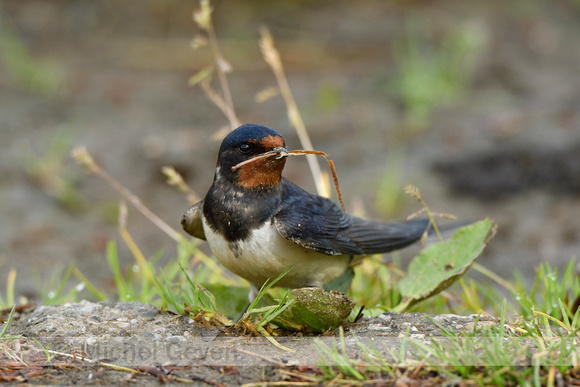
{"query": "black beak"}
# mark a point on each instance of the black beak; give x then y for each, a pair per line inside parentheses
(280, 152)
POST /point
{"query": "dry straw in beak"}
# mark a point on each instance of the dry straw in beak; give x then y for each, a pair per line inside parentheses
(279, 153)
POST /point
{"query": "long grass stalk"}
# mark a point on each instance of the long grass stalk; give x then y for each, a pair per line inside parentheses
(272, 58)
(83, 157)
(202, 17)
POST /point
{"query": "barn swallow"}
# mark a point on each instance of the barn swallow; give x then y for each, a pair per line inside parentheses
(258, 224)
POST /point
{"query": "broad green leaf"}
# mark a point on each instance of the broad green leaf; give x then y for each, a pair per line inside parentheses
(230, 300)
(441, 264)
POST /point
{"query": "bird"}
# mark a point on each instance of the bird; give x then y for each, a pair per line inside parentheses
(258, 224)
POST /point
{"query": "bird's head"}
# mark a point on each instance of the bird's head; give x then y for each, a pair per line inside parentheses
(245, 143)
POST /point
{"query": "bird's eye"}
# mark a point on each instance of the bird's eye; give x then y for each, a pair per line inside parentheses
(245, 148)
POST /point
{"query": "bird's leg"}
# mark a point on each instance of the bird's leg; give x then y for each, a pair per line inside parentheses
(251, 297)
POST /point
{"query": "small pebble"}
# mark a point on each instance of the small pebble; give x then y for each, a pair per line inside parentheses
(91, 341)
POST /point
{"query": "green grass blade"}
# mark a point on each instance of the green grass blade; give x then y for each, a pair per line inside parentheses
(10, 288)
(57, 295)
(113, 261)
(198, 295)
(164, 291)
(276, 310)
(89, 286)
(267, 285)
(565, 315)
(8, 322)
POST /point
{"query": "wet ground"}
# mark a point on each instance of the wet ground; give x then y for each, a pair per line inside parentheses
(113, 77)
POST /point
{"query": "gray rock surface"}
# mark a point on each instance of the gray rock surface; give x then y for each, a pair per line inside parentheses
(133, 334)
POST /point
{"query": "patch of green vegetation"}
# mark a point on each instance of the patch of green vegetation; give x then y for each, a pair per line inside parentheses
(433, 73)
(500, 354)
(390, 196)
(328, 98)
(59, 290)
(51, 170)
(31, 74)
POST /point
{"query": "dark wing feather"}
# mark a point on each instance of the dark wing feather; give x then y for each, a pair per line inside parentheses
(376, 238)
(191, 221)
(320, 224)
(313, 222)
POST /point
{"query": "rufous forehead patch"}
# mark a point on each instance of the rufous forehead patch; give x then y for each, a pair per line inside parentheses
(269, 142)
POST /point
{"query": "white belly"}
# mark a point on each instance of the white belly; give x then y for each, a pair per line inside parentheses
(266, 255)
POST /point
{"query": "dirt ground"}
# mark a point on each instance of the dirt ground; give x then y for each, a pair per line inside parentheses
(113, 76)
(92, 341)
(120, 75)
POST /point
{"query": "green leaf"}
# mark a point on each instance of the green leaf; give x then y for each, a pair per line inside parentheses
(342, 282)
(315, 310)
(441, 264)
(230, 300)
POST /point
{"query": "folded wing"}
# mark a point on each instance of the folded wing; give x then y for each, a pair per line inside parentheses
(319, 224)
(191, 221)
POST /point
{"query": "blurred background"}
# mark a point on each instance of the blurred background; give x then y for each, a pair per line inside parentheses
(475, 103)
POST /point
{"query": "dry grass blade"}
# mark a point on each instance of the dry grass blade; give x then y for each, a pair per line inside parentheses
(443, 215)
(83, 157)
(202, 18)
(268, 359)
(217, 99)
(272, 58)
(299, 152)
(259, 157)
(272, 340)
(414, 192)
(330, 165)
(175, 179)
(266, 94)
(85, 358)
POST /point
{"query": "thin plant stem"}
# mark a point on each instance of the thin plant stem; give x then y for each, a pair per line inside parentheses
(175, 179)
(272, 58)
(202, 17)
(414, 192)
(85, 159)
(220, 64)
(493, 276)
